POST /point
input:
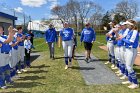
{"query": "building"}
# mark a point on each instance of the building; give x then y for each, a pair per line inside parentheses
(6, 20)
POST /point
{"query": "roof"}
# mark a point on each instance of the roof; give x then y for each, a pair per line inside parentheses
(8, 16)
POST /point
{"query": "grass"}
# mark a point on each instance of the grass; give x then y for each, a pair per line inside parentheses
(49, 76)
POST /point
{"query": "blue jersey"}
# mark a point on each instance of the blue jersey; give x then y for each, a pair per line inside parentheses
(111, 38)
(16, 46)
(121, 42)
(88, 35)
(67, 34)
(132, 39)
(22, 42)
(51, 35)
(5, 48)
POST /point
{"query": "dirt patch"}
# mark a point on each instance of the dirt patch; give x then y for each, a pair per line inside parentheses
(137, 61)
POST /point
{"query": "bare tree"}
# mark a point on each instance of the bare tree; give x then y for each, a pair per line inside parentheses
(73, 11)
(62, 12)
(85, 10)
(97, 16)
(129, 9)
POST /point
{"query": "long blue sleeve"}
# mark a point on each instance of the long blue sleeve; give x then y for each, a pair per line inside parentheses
(127, 41)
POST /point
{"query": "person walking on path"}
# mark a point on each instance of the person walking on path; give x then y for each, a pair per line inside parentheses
(51, 37)
(88, 36)
(66, 35)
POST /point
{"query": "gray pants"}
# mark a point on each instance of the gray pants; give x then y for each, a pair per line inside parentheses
(51, 48)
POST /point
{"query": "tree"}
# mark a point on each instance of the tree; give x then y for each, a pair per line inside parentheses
(62, 12)
(97, 16)
(129, 9)
(118, 18)
(85, 10)
(106, 19)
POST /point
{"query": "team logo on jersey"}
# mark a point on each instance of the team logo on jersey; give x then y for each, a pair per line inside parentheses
(87, 32)
(66, 33)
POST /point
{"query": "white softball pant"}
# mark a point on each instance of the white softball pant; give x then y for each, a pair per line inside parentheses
(5, 59)
(21, 53)
(14, 58)
(130, 56)
(110, 47)
(122, 54)
(67, 46)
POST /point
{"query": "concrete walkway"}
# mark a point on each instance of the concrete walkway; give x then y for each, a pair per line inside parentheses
(95, 72)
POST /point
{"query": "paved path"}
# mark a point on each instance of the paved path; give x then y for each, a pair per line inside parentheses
(95, 72)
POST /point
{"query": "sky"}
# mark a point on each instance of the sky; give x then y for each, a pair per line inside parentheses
(39, 9)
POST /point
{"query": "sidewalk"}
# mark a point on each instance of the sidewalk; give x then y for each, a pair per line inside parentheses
(95, 72)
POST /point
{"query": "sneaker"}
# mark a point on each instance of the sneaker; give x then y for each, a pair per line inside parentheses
(19, 72)
(107, 62)
(123, 77)
(23, 70)
(133, 86)
(86, 59)
(112, 66)
(4, 87)
(115, 68)
(126, 82)
(66, 67)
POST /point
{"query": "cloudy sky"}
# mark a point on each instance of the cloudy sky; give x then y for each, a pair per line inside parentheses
(39, 9)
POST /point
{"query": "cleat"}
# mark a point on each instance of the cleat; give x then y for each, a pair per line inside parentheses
(107, 62)
(133, 86)
(112, 66)
(117, 72)
(115, 68)
(19, 72)
(23, 70)
(123, 77)
(126, 82)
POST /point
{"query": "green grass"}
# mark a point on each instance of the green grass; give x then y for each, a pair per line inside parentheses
(49, 76)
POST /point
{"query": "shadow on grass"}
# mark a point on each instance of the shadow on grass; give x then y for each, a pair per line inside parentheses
(37, 71)
(59, 57)
(31, 78)
(16, 92)
(41, 66)
(83, 68)
(25, 85)
(35, 51)
(34, 57)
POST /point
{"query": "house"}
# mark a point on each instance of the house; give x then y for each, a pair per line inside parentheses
(6, 20)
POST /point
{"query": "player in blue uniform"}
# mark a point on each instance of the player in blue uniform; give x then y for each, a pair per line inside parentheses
(110, 44)
(66, 35)
(88, 36)
(21, 50)
(27, 46)
(4, 55)
(51, 37)
(131, 43)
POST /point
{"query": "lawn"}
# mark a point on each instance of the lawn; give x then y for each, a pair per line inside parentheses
(49, 76)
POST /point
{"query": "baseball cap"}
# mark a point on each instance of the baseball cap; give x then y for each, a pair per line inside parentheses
(128, 23)
(87, 24)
